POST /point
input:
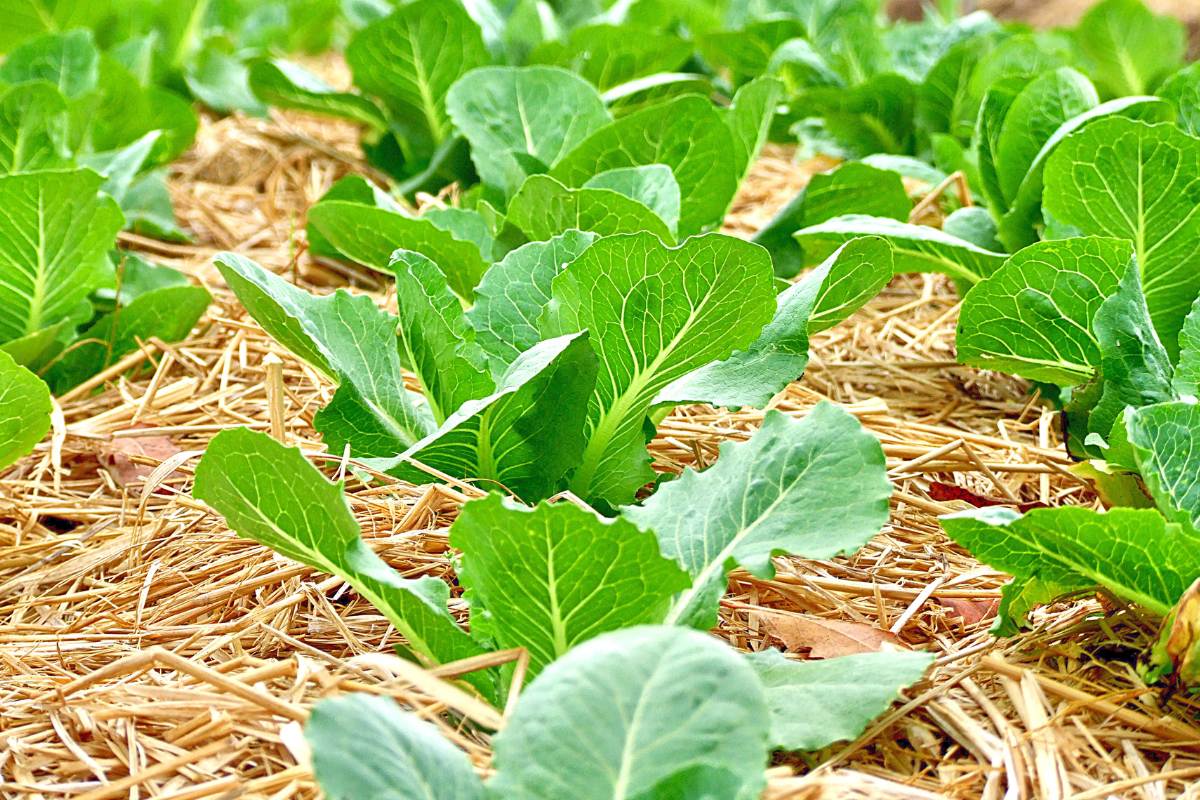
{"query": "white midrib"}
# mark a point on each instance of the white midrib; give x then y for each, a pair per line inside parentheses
(38, 298)
(621, 786)
(556, 617)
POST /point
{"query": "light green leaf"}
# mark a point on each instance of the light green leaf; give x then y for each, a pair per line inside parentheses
(1186, 380)
(816, 703)
(525, 436)
(849, 278)
(221, 81)
(631, 712)
(370, 236)
(35, 350)
(1133, 553)
(544, 208)
(411, 58)
(652, 185)
(514, 292)
(148, 210)
(1033, 316)
(551, 577)
(1129, 49)
(746, 53)
(25, 407)
(286, 85)
(120, 167)
(366, 748)
(349, 339)
(973, 224)
(814, 488)
(916, 248)
(270, 494)
(688, 135)
(1183, 91)
(438, 344)
(1127, 179)
(749, 119)
(1166, 444)
(538, 112)
(610, 55)
(655, 313)
(69, 60)
(33, 129)
(27, 18)
(55, 234)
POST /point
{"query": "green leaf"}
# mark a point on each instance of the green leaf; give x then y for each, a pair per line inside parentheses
(655, 313)
(221, 81)
(148, 210)
(917, 248)
(70, 61)
(120, 167)
(25, 408)
(946, 96)
(1183, 91)
(609, 55)
(349, 339)
(652, 185)
(686, 134)
(551, 577)
(746, 53)
(286, 85)
(875, 116)
(628, 713)
(1186, 380)
(1133, 553)
(370, 236)
(544, 208)
(33, 129)
(271, 494)
(168, 314)
(814, 488)
(973, 224)
(853, 188)
(816, 703)
(34, 351)
(1128, 48)
(641, 93)
(844, 283)
(55, 234)
(27, 18)
(1140, 182)
(514, 292)
(411, 58)
(1166, 443)
(1033, 316)
(391, 754)
(525, 436)
(749, 119)
(435, 338)
(538, 112)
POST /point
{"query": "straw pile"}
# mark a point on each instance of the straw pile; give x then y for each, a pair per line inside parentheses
(146, 651)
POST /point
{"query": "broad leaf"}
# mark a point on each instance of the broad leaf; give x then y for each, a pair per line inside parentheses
(69, 60)
(286, 85)
(271, 494)
(816, 703)
(814, 488)
(655, 313)
(688, 135)
(749, 119)
(551, 577)
(1183, 91)
(33, 129)
(544, 208)
(1127, 179)
(1033, 316)
(875, 116)
(1129, 49)
(652, 185)
(391, 754)
(746, 53)
(55, 234)
(26, 18)
(1186, 380)
(513, 294)
(537, 112)
(1133, 553)
(525, 436)
(349, 339)
(610, 55)
(629, 713)
(221, 80)
(1166, 442)
(25, 407)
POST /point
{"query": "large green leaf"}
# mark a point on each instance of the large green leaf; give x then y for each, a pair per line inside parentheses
(27, 18)
(411, 58)
(438, 344)
(814, 488)
(1186, 380)
(875, 116)
(25, 407)
(655, 313)
(686, 134)
(1033, 316)
(746, 53)
(631, 713)
(652, 185)
(1166, 442)
(544, 208)
(916, 248)
(514, 292)
(69, 60)
(33, 129)
(610, 55)
(537, 113)
(348, 338)
(1122, 178)
(286, 85)
(551, 577)
(366, 748)
(1128, 48)
(749, 119)
(55, 234)
(271, 494)
(370, 235)
(1133, 553)
(849, 278)
(525, 436)
(1183, 91)
(816, 703)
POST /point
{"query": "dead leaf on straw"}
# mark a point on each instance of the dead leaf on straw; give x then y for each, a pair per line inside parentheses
(971, 611)
(829, 638)
(118, 457)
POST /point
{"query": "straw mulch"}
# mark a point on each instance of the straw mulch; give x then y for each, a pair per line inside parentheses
(146, 651)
